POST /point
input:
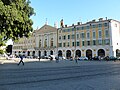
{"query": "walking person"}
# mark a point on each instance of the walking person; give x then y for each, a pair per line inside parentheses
(76, 59)
(21, 60)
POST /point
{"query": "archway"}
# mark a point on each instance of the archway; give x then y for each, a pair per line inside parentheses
(45, 53)
(78, 53)
(68, 54)
(101, 52)
(28, 53)
(39, 53)
(33, 54)
(51, 52)
(89, 54)
(60, 53)
(117, 53)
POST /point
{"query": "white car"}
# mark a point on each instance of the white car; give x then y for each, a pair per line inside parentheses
(82, 58)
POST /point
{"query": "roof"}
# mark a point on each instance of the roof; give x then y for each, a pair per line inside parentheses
(46, 29)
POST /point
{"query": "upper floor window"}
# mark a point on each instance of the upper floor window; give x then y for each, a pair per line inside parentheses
(68, 36)
(77, 36)
(105, 24)
(99, 25)
(59, 37)
(87, 27)
(82, 35)
(100, 34)
(73, 36)
(64, 37)
(94, 35)
(106, 33)
(88, 35)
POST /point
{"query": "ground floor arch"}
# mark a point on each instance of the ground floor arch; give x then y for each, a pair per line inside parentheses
(51, 52)
(59, 53)
(28, 53)
(45, 53)
(33, 53)
(89, 53)
(101, 52)
(39, 53)
(78, 53)
(117, 53)
(68, 54)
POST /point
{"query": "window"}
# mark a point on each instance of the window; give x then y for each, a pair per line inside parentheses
(82, 35)
(93, 26)
(64, 44)
(100, 34)
(52, 42)
(99, 42)
(68, 44)
(78, 43)
(106, 33)
(82, 28)
(94, 42)
(59, 37)
(107, 41)
(73, 44)
(73, 36)
(60, 44)
(40, 43)
(88, 35)
(87, 27)
(64, 37)
(105, 24)
(88, 43)
(83, 43)
(77, 36)
(68, 36)
(99, 25)
(73, 29)
(94, 35)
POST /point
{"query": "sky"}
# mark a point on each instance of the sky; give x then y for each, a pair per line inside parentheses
(73, 11)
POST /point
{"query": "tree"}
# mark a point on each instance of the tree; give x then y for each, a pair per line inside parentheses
(15, 19)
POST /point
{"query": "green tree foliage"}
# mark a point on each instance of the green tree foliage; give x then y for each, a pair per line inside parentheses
(15, 19)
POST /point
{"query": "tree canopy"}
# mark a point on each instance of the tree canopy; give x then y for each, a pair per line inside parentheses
(15, 19)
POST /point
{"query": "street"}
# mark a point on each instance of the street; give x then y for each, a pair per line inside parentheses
(65, 75)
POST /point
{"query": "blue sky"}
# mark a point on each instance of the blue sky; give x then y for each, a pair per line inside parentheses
(73, 11)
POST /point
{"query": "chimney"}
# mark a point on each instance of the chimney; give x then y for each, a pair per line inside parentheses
(72, 24)
(78, 23)
(100, 19)
(106, 18)
(65, 25)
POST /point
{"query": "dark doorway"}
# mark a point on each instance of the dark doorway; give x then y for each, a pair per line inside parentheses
(78, 53)
(89, 54)
(51, 52)
(68, 54)
(60, 53)
(101, 52)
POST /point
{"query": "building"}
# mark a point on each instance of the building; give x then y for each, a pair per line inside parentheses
(46, 41)
(94, 38)
(25, 46)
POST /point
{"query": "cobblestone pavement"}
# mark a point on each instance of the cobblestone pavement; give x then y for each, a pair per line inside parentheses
(65, 75)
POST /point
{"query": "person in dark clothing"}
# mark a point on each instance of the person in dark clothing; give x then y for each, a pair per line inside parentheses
(76, 59)
(21, 60)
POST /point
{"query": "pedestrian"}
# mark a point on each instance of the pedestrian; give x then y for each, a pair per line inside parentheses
(21, 60)
(76, 59)
(57, 59)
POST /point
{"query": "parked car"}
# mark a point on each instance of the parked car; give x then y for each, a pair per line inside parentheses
(62, 58)
(118, 58)
(112, 58)
(83, 58)
(95, 58)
